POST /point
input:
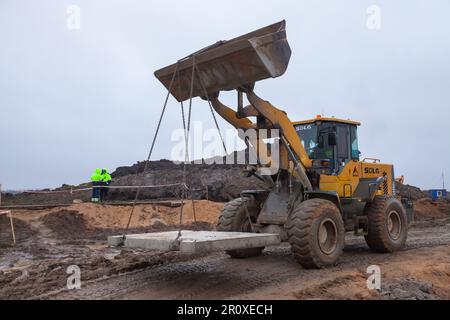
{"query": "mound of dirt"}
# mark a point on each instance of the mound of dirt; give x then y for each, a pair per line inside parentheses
(339, 287)
(80, 222)
(216, 182)
(11, 199)
(145, 216)
(407, 191)
(22, 230)
(426, 209)
(66, 224)
(408, 289)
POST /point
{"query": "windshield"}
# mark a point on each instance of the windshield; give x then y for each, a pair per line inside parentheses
(308, 136)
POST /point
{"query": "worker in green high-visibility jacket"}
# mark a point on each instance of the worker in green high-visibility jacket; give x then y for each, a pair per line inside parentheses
(96, 179)
(105, 182)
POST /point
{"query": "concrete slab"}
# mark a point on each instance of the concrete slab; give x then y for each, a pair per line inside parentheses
(196, 241)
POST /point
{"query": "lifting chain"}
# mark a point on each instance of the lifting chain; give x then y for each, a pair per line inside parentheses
(151, 150)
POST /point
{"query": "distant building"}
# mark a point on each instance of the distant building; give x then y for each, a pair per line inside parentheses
(438, 194)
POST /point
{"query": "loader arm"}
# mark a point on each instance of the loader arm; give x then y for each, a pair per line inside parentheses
(231, 117)
(277, 117)
(280, 121)
(291, 143)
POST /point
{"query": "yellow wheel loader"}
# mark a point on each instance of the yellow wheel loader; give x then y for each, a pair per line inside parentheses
(322, 188)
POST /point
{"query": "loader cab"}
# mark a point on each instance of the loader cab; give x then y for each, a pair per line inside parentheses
(330, 142)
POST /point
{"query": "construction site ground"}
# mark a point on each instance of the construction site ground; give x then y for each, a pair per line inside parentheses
(51, 240)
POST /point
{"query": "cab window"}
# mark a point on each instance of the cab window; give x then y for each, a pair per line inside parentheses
(308, 136)
(342, 143)
(354, 142)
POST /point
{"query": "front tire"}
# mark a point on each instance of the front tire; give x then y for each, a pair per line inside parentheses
(316, 233)
(234, 218)
(388, 225)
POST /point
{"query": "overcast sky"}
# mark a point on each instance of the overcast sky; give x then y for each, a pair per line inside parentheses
(74, 100)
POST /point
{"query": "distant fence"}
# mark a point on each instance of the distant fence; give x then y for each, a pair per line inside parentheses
(76, 190)
(72, 190)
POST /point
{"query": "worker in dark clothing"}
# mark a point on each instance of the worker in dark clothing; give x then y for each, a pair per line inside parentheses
(105, 182)
(96, 180)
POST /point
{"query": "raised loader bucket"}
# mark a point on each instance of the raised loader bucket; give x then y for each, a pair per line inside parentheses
(229, 65)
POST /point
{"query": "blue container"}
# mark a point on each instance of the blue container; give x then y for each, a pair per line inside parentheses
(438, 194)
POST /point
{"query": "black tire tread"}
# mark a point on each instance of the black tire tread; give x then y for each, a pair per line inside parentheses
(298, 229)
(377, 238)
(227, 222)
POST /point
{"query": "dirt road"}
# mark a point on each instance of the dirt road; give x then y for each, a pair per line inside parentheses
(49, 241)
(422, 271)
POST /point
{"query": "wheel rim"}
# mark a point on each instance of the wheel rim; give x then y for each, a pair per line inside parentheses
(328, 236)
(394, 224)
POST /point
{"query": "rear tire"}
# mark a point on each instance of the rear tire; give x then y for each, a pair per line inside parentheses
(388, 225)
(316, 233)
(234, 218)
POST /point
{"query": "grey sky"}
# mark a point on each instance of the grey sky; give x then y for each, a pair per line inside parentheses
(74, 100)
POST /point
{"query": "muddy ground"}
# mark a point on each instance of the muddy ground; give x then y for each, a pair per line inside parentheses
(49, 241)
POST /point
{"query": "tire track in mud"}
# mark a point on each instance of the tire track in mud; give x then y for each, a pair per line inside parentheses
(216, 276)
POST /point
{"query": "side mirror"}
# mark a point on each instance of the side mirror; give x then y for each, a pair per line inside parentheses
(332, 138)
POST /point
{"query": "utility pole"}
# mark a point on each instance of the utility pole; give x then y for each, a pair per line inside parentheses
(443, 181)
